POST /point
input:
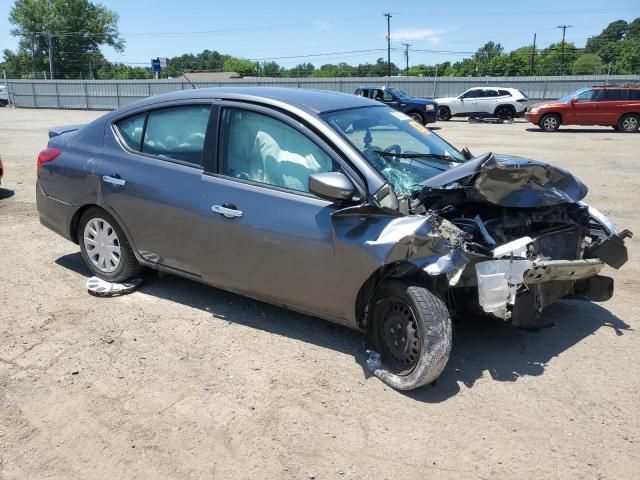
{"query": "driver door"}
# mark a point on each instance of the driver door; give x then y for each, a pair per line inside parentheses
(469, 101)
(264, 235)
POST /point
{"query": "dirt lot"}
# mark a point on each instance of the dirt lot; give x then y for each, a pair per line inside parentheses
(180, 380)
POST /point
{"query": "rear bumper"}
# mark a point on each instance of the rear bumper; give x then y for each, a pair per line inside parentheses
(54, 214)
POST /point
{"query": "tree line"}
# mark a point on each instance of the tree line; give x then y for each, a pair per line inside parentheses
(75, 30)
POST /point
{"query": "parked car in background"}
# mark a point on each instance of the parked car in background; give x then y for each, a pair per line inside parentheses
(422, 110)
(612, 105)
(499, 102)
(329, 204)
(4, 96)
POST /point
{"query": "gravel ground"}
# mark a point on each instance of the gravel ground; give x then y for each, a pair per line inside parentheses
(180, 380)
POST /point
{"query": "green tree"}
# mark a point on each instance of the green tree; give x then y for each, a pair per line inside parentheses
(77, 29)
(613, 32)
(552, 61)
(628, 59)
(242, 66)
(587, 64)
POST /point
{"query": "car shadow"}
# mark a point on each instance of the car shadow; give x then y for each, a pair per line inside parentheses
(481, 346)
(577, 130)
(6, 193)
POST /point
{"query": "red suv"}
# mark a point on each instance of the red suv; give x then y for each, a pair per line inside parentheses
(616, 106)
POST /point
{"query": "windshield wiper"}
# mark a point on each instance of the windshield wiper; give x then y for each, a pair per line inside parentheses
(436, 156)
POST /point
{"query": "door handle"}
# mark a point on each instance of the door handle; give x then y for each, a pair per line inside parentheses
(114, 180)
(227, 210)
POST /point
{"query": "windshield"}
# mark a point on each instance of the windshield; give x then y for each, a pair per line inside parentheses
(574, 94)
(399, 93)
(402, 150)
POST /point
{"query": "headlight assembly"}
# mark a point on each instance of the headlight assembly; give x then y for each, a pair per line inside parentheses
(429, 107)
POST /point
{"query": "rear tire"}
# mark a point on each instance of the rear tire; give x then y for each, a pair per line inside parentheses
(629, 123)
(3, 103)
(104, 247)
(505, 113)
(550, 122)
(411, 329)
(444, 114)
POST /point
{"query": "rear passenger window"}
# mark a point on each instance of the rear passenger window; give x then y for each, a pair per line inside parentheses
(504, 93)
(634, 94)
(490, 93)
(177, 133)
(131, 131)
(614, 95)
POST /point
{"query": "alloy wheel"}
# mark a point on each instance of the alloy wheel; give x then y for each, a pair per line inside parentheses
(102, 245)
(630, 124)
(550, 123)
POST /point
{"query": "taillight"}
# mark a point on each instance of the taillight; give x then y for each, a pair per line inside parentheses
(47, 155)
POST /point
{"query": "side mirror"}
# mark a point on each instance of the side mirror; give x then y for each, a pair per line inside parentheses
(331, 186)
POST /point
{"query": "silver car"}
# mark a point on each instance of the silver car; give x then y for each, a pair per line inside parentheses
(328, 204)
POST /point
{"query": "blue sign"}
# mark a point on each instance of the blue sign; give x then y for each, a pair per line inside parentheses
(155, 64)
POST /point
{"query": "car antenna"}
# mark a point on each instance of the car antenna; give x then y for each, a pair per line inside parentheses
(189, 80)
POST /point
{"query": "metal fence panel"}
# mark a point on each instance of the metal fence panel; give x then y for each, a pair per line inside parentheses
(111, 94)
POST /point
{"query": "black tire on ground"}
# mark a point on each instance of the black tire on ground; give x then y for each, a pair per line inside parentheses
(417, 116)
(629, 123)
(411, 329)
(444, 114)
(128, 266)
(505, 112)
(550, 122)
(3, 103)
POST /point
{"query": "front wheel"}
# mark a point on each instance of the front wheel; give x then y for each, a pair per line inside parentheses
(444, 114)
(416, 116)
(549, 122)
(3, 103)
(105, 248)
(411, 329)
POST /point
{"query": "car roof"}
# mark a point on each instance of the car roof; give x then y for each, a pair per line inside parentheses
(312, 101)
(617, 86)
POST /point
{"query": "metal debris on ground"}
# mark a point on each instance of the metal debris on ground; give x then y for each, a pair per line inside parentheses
(101, 288)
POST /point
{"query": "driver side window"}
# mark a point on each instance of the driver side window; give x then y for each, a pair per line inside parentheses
(472, 94)
(586, 96)
(262, 149)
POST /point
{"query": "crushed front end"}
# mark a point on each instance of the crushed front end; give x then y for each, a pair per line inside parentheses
(528, 238)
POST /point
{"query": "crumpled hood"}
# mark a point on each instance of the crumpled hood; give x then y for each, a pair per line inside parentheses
(511, 181)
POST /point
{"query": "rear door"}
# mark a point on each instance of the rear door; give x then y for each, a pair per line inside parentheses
(487, 102)
(151, 174)
(611, 105)
(264, 235)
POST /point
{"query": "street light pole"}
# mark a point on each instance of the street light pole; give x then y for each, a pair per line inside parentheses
(388, 15)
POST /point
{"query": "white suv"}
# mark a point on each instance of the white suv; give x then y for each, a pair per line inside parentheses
(4, 96)
(503, 103)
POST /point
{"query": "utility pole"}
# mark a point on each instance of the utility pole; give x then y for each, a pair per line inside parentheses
(50, 56)
(533, 55)
(564, 30)
(388, 15)
(406, 55)
(49, 7)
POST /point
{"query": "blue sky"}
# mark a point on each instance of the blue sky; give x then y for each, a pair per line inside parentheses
(263, 30)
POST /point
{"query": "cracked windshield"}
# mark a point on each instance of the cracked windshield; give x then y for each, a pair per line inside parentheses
(403, 151)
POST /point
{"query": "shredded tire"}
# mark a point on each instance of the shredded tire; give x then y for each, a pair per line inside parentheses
(434, 331)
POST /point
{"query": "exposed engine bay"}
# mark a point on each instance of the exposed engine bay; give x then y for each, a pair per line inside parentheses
(510, 232)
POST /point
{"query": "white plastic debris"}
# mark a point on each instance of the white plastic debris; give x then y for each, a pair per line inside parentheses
(498, 282)
(515, 248)
(102, 288)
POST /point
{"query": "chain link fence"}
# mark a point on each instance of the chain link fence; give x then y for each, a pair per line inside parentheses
(111, 94)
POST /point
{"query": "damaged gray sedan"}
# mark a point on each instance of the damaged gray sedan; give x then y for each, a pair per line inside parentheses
(328, 204)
